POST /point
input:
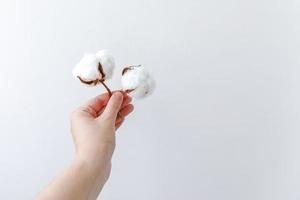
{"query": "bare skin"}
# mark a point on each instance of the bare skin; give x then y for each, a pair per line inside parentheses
(93, 127)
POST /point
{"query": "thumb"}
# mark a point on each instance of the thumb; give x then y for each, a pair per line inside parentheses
(113, 106)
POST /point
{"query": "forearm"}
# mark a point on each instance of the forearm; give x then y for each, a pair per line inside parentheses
(82, 180)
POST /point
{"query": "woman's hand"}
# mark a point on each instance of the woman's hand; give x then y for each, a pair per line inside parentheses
(93, 128)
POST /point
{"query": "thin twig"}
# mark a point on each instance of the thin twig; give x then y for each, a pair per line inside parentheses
(107, 88)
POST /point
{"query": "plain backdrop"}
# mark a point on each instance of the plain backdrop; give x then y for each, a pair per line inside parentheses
(223, 123)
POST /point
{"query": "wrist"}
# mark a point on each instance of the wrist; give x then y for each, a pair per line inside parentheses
(91, 164)
(95, 157)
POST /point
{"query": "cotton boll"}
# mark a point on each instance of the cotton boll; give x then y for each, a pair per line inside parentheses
(107, 61)
(133, 76)
(93, 69)
(86, 69)
(137, 81)
(145, 89)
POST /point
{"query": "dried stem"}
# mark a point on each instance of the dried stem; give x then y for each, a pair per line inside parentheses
(106, 87)
(128, 91)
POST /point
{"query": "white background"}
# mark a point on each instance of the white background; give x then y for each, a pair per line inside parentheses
(223, 123)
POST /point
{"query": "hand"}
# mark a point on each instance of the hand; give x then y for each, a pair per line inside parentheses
(93, 128)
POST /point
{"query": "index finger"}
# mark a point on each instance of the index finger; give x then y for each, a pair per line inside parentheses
(97, 103)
